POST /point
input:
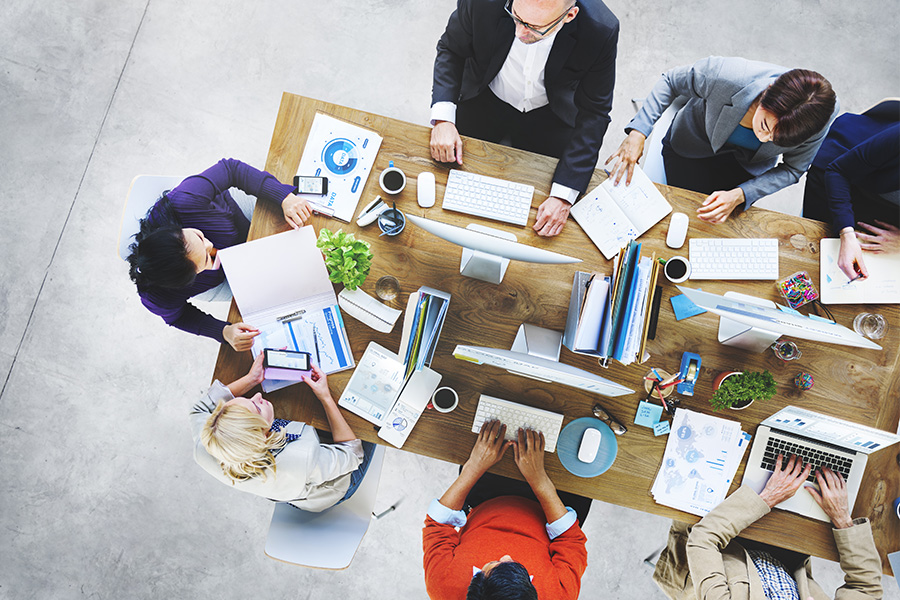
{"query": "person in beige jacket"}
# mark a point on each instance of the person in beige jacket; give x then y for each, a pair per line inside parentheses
(707, 562)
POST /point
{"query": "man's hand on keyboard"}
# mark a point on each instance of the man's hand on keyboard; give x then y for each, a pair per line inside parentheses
(718, 205)
(784, 483)
(489, 447)
(551, 216)
(832, 497)
(530, 456)
(446, 145)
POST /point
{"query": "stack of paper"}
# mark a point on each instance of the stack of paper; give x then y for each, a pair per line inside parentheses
(700, 461)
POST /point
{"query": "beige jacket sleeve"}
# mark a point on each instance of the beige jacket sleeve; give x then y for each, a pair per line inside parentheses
(713, 577)
(859, 561)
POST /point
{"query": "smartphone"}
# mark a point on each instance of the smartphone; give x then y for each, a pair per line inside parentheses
(311, 185)
(286, 359)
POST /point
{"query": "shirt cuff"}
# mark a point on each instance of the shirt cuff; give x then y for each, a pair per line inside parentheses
(566, 193)
(443, 111)
(561, 525)
(446, 516)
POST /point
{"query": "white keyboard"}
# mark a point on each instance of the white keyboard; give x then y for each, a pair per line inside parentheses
(724, 259)
(488, 197)
(515, 415)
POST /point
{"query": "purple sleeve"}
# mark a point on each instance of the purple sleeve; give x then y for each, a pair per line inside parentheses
(194, 193)
(876, 153)
(172, 306)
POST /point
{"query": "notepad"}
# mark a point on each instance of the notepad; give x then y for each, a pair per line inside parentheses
(613, 215)
(881, 287)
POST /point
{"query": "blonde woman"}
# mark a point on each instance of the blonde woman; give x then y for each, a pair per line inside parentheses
(239, 441)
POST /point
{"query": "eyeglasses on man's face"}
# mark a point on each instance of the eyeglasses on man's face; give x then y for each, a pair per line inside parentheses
(538, 29)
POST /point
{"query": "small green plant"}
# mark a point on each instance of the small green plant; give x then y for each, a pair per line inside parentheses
(744, 388)
(348, 259)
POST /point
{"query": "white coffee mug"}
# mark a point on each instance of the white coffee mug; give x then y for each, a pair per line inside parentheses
(396, 179)
(677, 269)
(445, 392)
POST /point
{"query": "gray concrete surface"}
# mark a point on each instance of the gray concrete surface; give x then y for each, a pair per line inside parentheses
(100, 497)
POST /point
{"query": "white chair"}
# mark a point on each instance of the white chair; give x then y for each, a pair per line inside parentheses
(143, 193)
(327, 539)
(652, 161)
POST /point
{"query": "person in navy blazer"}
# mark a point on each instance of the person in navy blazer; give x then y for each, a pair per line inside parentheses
(565, 110)
(855, 179)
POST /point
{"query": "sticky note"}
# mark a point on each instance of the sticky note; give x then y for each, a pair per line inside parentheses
(684, 308)
(648, 414)
(818, 318)
(788, 310)
(661, 428)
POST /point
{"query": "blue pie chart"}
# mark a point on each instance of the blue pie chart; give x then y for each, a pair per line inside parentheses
(340, 156)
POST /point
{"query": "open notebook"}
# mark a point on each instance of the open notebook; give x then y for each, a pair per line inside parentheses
(881, 287)
(281, 286)
(613, 215)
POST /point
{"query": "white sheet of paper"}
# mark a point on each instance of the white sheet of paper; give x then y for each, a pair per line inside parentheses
(345, 154)
(881, 287)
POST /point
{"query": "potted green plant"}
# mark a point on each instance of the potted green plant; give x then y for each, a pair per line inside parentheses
(348, 259)
(737, 390)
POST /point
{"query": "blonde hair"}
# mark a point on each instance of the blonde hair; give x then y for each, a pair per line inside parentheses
(240, 440)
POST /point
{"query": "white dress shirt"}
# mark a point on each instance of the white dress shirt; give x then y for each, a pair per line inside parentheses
(520, 83)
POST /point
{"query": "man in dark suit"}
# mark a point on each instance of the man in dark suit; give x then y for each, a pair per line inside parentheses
(531, 71)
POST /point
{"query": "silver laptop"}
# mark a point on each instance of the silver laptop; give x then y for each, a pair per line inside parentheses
(822, 440)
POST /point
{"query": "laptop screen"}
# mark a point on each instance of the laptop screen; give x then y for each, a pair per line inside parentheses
(831, 430)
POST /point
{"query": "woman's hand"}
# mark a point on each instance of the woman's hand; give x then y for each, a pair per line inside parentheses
(832, 497)
(257, 373)
(629, 153)
(530, 456)
(850, 257)
(318, 383)
(718, 205)
(880, 239)
(489, 447)
(296, 211)
(240, 336)
(784, 484)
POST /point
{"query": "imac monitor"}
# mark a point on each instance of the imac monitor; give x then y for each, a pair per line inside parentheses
(777, 321)
(487, 251)
(542, 369)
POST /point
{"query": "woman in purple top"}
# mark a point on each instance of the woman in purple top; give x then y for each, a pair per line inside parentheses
(173, 257)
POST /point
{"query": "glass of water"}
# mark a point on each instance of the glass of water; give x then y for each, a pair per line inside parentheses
(871, 325)
(387, 288)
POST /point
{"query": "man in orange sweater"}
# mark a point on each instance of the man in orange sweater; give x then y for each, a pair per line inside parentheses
(507, 545)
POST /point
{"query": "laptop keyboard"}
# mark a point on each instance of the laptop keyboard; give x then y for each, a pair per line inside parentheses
(787, 446)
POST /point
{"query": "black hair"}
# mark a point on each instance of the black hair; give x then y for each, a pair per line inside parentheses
(506, 581)
(158, 254)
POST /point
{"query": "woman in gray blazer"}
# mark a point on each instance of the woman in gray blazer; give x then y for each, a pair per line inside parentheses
(739, 117)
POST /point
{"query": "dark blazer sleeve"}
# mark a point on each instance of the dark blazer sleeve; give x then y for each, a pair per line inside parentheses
(871, 156)
(593, 102)
(453, 49)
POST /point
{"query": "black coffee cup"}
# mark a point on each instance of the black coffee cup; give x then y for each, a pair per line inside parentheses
(444, 399)
(677, 269)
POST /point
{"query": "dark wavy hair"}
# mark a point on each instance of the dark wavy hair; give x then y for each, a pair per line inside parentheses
(506, 581)
(158, 255)
(802, 101)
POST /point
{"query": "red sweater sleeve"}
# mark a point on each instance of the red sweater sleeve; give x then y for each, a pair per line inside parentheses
(439, 543)
(569, 557)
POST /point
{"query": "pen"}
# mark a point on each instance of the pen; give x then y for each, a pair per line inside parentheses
(293, 316)
(860, 276)
(316, 342)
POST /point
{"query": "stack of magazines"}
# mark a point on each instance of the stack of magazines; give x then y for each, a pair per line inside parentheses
(701, 458)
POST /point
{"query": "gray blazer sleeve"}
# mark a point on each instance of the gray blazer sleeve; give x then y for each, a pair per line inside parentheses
(694, 81)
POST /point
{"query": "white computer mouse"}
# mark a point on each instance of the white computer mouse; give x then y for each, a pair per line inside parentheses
(678, 226)
(590, 443)
(425, 189)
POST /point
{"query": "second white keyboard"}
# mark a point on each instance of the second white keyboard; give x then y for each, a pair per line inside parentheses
(724, 259)
(488, 197)
(515, 415)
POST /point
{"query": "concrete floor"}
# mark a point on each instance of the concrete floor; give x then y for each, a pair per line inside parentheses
(100, 497)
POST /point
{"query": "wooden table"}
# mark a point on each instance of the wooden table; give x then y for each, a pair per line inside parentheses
(860, 385)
